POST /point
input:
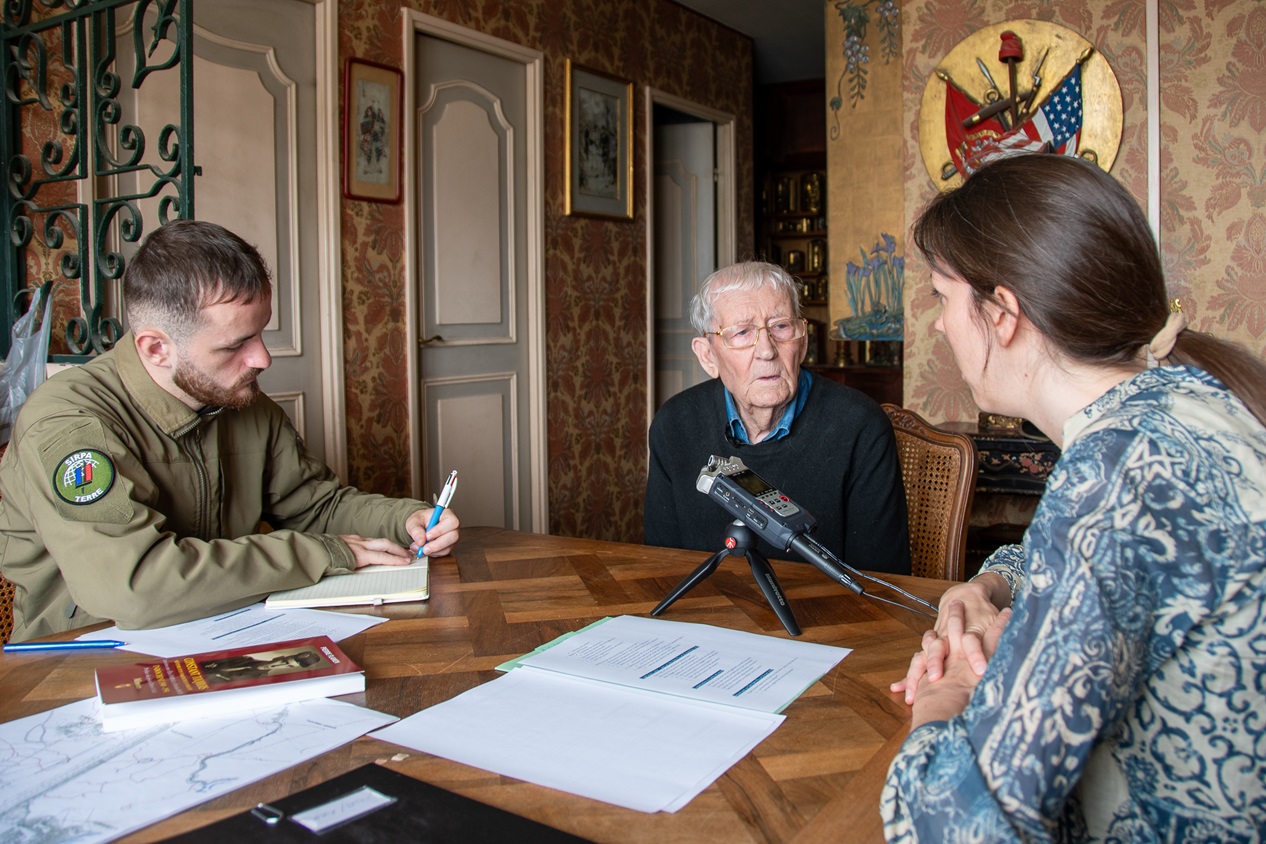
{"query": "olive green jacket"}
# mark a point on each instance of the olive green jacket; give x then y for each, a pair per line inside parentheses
(121, 503)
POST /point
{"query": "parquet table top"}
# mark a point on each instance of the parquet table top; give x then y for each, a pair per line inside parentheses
(503, 593)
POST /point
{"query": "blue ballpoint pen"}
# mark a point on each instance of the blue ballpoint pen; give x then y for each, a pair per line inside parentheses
(446, 495)
(63, 646)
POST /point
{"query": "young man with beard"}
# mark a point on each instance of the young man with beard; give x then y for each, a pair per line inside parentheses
(135, 486)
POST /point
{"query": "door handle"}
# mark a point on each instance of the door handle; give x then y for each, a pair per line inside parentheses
(423, 342)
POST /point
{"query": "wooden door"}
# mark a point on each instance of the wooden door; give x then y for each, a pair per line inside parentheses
(259, 113)
(477, 279)
(692, 231)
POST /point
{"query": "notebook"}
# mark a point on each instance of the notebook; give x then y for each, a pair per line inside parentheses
(369, 585)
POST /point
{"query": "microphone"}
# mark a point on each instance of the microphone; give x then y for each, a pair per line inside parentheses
(768, 511)
(812, 552)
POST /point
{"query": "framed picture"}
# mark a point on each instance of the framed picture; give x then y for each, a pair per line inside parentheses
(372, 115)
(599, 158)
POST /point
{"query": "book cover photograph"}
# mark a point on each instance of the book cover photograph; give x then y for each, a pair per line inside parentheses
(215, 682)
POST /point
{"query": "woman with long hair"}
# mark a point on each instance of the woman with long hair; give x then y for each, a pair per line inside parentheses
(1106, 679)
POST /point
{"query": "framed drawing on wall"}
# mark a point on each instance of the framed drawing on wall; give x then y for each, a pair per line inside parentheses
(371, 131)
(599, 157)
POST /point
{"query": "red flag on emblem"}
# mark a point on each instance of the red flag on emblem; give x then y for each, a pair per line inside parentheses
(966, 146)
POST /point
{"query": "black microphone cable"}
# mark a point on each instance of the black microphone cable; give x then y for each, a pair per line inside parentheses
(805, 539)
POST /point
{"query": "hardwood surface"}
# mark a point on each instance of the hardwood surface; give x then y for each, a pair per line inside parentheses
(817, 778)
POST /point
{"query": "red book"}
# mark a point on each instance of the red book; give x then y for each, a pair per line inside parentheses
(219, 683)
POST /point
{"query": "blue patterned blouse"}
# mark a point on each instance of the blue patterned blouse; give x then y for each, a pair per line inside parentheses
(1127, 699)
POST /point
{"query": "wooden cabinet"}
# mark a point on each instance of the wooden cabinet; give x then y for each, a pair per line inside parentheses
(791, 218)
(1013, 467)
(881, 383)
(794, 237)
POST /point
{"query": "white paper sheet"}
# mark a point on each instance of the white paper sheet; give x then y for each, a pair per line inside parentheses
(642, 750)
(698, 661)
(63, 779)
(253, 625)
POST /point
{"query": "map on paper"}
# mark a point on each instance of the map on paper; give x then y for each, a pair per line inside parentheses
(63, 779)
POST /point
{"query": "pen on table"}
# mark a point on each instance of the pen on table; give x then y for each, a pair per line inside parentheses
(446, 495)
(64, 646)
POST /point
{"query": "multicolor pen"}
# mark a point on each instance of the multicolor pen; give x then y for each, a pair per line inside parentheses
(446, 495)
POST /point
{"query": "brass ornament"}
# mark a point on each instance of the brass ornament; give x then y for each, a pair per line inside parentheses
(1050, 53)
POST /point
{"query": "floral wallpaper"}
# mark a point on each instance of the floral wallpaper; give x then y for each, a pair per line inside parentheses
(595, 269)
(1213, 168)
(1212, 146)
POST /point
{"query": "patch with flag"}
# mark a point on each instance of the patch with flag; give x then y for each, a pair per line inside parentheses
(83, 477)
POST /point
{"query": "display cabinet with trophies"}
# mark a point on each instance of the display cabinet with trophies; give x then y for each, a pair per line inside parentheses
(794, 237)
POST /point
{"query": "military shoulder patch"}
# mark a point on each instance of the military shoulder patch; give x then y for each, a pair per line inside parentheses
(83, 476)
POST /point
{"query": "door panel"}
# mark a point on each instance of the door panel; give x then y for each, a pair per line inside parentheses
(255, 129)
(474, 424)
(471, 161)
(467, 191)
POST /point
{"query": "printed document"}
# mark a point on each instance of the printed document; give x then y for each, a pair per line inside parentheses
(698, 661)
(637, 712)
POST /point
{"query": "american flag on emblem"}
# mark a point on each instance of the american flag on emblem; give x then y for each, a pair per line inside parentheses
(1057, 122)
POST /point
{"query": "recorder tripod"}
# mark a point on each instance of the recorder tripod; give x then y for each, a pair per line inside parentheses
(739, 542)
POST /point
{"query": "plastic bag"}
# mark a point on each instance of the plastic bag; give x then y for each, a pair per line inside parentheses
(24, 369)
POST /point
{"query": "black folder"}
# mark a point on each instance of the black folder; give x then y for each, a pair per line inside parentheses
(421, 813)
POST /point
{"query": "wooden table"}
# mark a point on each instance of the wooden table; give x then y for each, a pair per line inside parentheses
(817, 778)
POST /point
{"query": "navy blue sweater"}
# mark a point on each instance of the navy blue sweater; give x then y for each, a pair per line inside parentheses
(839, 463)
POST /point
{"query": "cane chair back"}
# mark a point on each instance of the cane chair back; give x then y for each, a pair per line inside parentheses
(7, 591)
(938, 470)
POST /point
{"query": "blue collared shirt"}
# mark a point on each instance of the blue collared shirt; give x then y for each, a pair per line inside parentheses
(738, 432)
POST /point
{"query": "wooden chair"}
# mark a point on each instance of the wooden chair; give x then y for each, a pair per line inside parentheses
(938, 470)
(7, 591)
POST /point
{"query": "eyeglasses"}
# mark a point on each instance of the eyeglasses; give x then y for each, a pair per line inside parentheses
(747, 336)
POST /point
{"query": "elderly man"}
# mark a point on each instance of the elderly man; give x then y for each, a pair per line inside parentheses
(827, 446)
(134, 486)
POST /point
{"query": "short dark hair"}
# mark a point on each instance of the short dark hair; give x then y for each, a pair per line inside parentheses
(1074, 247)
(186, 265)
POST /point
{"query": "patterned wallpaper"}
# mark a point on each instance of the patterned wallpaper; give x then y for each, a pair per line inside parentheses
(1213, 158)
(595, 269)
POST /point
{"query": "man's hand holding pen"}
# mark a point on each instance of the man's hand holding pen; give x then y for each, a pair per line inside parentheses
(434, 532)
(435, 541)
(438, 541)
(439, 534)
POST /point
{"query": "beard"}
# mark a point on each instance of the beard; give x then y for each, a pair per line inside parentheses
(201, 388)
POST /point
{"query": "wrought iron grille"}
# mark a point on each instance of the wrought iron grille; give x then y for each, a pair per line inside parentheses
(77, 170)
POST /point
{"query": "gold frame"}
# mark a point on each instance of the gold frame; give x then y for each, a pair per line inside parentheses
(601, 99)
(1056, 48)
(387, 92)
